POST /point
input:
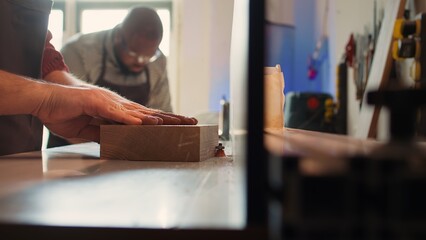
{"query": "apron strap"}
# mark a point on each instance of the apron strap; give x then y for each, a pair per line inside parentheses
(103, 66)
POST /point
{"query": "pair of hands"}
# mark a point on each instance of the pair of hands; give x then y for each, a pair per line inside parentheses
(77, 112)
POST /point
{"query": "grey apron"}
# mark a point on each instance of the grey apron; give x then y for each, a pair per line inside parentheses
(23, 29)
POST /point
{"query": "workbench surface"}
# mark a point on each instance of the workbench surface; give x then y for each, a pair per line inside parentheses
(71, 186)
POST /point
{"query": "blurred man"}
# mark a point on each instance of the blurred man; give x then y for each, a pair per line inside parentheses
(36, 87)
(125, 59)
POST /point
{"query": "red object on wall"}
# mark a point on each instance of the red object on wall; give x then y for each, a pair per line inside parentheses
(350, 51)
(313, 103)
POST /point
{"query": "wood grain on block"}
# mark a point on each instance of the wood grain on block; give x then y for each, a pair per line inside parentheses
(183, 143)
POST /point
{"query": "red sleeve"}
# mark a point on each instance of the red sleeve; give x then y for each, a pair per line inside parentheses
(52, 59)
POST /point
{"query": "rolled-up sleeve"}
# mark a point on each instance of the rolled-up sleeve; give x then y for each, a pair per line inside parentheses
(52, 59)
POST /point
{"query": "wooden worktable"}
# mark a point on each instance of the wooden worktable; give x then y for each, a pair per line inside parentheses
(324, 153)
(305, 143)
(71, 187)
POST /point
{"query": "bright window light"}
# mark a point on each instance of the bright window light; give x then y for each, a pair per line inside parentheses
(165, 19)
(93, 20)
(101, 19)
(56, 26)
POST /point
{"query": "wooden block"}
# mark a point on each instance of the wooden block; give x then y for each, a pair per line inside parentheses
(183, 143)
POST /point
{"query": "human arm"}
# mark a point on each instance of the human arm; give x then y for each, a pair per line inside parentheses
(53, 105)
(52, 59)
(62, 77)
(57, 72)
(74, 112)
(54, 68)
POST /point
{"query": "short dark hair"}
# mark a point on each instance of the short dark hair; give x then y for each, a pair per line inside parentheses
(143, 21)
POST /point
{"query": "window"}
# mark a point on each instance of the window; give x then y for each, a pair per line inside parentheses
(91, 16)
(56, 26)
(93, 20)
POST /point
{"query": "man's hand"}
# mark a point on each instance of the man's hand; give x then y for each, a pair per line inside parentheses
(163, 117)
(65, 78)
(77, 112)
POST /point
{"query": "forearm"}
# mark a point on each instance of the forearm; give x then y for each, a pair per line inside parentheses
(20, 95)
(65, 78)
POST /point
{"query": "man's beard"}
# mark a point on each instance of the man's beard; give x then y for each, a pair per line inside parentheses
(126, 71)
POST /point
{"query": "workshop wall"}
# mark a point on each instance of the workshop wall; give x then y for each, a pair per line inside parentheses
(199, 63)
(202, 73)
(348, 17)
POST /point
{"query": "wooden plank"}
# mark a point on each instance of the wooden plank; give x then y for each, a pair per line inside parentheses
(380, 70)
(182, 143)
(317, 145)
(319, 153)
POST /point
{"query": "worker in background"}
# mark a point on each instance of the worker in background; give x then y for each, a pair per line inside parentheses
(37, 89)
(125, 59)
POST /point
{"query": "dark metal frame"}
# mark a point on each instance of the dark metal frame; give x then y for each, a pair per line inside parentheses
(256, 160)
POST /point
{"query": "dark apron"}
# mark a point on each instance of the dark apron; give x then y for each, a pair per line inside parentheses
(137, 93)
(23, 29)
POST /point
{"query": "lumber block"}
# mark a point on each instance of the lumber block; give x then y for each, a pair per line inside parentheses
(180, 143)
